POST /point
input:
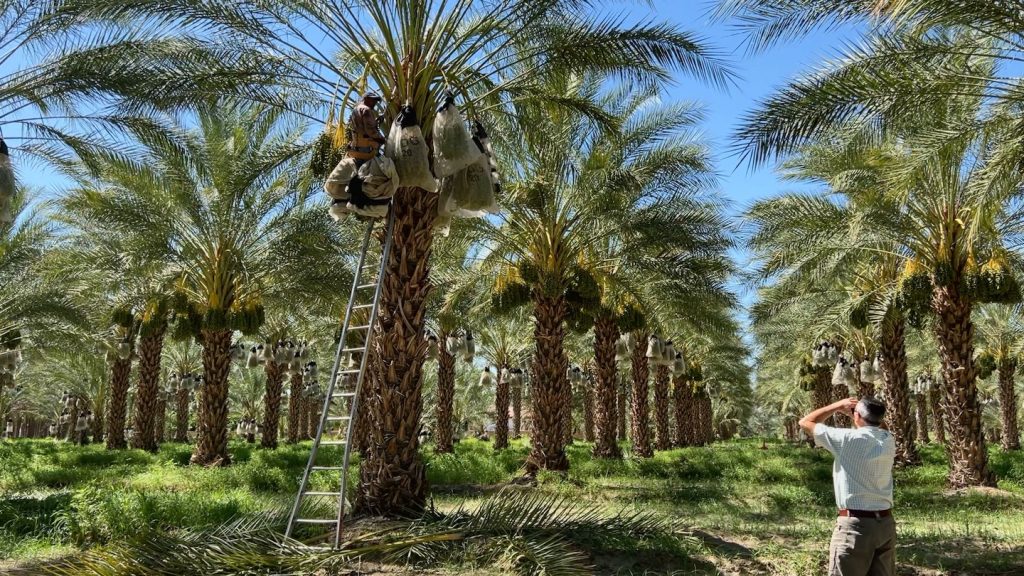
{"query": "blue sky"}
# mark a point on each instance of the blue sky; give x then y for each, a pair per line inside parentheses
(758, 76)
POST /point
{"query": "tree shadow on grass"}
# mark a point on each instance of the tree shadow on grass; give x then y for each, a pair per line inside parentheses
(960, 556)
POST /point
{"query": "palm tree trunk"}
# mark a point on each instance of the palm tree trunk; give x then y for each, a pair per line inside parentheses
(517, 410)
(621, 404)
(501, 399)
(181, 416)
(445, 396)
(295, 410)
(160, 430)
(606, 333)
(706, 432)
(935, 400)
(272, 402)
(966, 442)
(99, 419)
(682, 397)
(568, 425)
(898, 417)
(212, 436)
(312, 416)
(588, 404)
(840, 419)
(921, 416)
(661, 409)
(393, 479)
(302, 422)
(552, 393)
(1008, 405)
(150, 351)
(120, 375)
(640, 408)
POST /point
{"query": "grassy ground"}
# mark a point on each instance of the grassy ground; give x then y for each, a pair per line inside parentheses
(739, 508)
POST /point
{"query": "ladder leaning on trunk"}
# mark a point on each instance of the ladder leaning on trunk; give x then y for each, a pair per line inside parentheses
(341, 403)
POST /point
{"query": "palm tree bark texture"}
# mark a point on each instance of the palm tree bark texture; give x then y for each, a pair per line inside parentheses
(181, 415)
(212, 435)
(640, 408)
(706, 432)
(551, 393)
(921, 418)
(588, 404)
(160, 424)
(965, 444)
(501, 400)
(120, 375)
(1008, 404)
(568, 425)
(897, 391)
(662, 427)
(150, 350)
(302, 422)
(393, 479)
(295, 393)
(517, 409)
(98, 420)
(683, 400)
(272, 402)
(313, 405)
(622, 405)
(606, 333)
(445, 405)
(935, 401)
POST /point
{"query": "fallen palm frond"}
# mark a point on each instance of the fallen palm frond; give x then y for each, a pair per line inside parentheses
(519, 532)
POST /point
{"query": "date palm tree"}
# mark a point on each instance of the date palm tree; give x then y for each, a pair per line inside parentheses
(504, 343)
(224, 194)
(1000, 340)
(412, 52)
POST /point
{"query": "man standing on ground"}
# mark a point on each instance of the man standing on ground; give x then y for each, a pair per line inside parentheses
(864, 540)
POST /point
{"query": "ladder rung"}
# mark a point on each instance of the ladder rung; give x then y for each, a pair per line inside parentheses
(360, 349)
(338, 418)
(316, 521)
(323, 494)
(349, 371)
(332, 442)
(365, 286)
(325, 468)
(343, 395)
(359, 327)
(362, 306)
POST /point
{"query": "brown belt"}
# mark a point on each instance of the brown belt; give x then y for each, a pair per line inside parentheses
(866, 513)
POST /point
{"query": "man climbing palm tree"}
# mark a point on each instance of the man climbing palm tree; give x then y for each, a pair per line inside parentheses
(864, 540)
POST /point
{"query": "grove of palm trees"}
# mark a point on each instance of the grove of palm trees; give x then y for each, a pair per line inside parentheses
(504, 286)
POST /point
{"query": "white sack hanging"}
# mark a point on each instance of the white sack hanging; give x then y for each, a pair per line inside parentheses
(454, 149)
(849, 375)
(678, 365)
(653, 347)
(470, 347)
(124, 350)
(473, 191)
(483, 141)
(336, 185)
(254, 358)
(380, 179)
(407, 148)
(837, 375)
(668, 354)
(311, 370)
(486, 378)
(867, 372)
(432, 348)
(266, 352)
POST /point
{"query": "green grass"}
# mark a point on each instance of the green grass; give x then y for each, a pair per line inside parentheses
(737, 508)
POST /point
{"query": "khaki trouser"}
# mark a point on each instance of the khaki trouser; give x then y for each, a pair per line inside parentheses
(863, 547)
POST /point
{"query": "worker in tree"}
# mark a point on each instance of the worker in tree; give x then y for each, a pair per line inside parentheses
(364, 126)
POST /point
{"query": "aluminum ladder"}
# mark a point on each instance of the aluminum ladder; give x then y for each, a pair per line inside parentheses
(341, 403)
